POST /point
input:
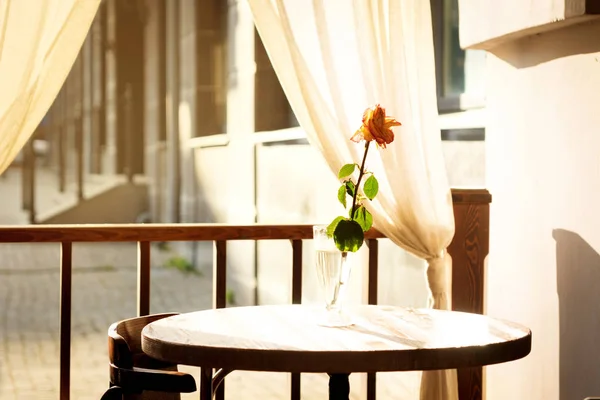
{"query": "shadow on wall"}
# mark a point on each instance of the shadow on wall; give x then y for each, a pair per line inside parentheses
(578, 277)
(538, 49)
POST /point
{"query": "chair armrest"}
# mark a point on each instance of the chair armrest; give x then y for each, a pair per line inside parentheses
(141, 379)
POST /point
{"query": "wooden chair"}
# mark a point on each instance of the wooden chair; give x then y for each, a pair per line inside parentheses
(133, 374)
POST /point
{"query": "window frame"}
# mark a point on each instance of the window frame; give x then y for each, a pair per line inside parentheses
(452, 103)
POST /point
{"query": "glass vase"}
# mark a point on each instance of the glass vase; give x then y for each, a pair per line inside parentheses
(333, 273)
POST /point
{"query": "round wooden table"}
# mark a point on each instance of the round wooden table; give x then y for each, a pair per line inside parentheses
(287, 338)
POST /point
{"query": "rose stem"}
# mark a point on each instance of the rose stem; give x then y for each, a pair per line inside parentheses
(360, 175)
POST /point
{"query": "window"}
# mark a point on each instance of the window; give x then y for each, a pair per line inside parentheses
(459, 73)
(272, 110)
(211, 67)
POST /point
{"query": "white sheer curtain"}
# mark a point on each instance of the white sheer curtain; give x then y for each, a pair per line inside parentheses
(39, 41)
(335, 58)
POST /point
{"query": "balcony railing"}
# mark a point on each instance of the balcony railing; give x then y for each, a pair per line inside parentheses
(468, 250)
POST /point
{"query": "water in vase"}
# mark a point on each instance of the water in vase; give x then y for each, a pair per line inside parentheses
(332, 272)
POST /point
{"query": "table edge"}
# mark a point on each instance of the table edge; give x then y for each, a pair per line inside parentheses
(289, 360)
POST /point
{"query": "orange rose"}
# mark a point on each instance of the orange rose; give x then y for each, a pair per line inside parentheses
(376, 126)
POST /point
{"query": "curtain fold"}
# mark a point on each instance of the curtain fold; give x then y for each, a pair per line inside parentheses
(335, 58)
(39, 41)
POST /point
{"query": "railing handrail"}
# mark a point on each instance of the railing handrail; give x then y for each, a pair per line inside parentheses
(157, 233)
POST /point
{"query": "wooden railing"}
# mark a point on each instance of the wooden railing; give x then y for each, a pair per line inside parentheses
(468, 250)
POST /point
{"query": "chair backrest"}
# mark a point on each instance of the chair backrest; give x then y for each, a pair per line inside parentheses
(125, 339)
(136, 373)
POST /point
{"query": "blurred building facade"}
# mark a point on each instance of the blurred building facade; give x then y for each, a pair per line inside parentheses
(177, 90)
(179, 99)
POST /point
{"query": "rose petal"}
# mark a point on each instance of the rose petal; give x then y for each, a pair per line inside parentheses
(376, 126)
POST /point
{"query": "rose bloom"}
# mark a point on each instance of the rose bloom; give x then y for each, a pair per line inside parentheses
(376, 126)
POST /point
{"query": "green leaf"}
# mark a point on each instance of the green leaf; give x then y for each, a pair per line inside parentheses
(342, 195)
(350, 187)
(346, 170)
(371, 187)
(364, 218)
(348, 235)
(331, 227)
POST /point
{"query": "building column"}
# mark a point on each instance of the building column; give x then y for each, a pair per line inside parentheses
(173, 169)
(78, 121)
(109, 164)
(240, 128)
(53, 133)
(188, 104)
(86, 53)
(154, 105)
(62, 138)
(240, 109)
(71, 110)
(97, 90)
(130, 86)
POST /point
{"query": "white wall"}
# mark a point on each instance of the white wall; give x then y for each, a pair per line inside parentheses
(485, 24)
(543, 170)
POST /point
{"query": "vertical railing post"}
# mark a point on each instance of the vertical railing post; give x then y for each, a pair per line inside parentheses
(66, 269)
(143, 279)
(296, 299)
(220, 274)
(372, 282)
(220, 289)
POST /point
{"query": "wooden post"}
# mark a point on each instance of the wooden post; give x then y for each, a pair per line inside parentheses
(468, 250)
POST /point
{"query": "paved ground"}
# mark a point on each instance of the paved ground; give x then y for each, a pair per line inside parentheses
(104, 291)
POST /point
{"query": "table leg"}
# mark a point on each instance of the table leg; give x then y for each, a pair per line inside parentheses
(339, 387)
(218, 383)
(206, 376)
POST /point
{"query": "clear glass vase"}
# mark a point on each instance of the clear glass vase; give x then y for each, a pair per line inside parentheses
(333, 272)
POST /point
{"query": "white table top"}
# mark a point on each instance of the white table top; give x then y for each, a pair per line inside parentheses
(288, 339)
